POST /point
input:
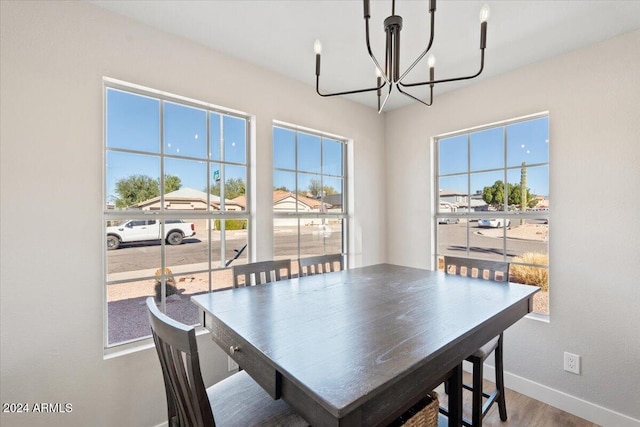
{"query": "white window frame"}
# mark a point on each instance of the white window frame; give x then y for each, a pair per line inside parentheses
(469, 214)
(164, 214)
(344, 215)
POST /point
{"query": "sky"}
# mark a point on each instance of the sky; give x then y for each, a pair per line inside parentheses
(133, 124)
(482, 155)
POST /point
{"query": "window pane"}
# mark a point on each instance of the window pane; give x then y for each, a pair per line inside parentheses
(235, 182)
(486, 238)
(185, 184)
(235, 137)
(532, 275)
(283, 183)
(536, 180)
(529, 239)
(452, 236)
(488, 191)
(332, 194)
(131, 179)
(184, 131)
(454, 193)
(127, 317)
(284, 148)
(234, 236)
(320, 236)
(186, 245)
(310, 185)
(453, 155)
(214, 136)
(133, 122)
(487, 149)
(332, 157)
(528, 142)
(285, 238)
(309, 158)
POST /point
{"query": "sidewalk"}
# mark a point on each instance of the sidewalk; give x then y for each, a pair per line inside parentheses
(536, 232)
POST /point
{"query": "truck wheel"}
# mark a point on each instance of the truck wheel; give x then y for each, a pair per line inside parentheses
(112, 243)
(174, 238)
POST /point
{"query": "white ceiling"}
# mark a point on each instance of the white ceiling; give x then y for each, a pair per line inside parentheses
(279, 34)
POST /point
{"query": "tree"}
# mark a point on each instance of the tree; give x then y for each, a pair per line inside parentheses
(316, 188)
(281, 188)
(171, 183)
(138, 188)
(494, 195)
(233, 188)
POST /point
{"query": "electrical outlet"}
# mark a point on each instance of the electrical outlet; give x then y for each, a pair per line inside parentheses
(232, 365)
(572, 363)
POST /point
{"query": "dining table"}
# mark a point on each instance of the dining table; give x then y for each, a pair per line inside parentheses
(361, 346)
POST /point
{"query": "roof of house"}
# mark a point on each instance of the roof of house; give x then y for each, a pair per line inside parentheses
(187, 194)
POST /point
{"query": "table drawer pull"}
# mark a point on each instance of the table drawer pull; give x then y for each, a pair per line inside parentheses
(234, 349)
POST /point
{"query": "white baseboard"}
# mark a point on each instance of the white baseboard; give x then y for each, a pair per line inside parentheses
(561, 400)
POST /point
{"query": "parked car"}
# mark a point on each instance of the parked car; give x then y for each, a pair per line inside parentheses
(141, 230)
(448, 220)
(492, 222)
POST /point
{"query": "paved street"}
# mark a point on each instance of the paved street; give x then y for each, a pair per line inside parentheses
(485, 243)
(134, 257)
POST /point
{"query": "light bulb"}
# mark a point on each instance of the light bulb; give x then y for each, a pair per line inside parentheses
(485, 12)
(317, 47)
(431, 61)
(378, 73)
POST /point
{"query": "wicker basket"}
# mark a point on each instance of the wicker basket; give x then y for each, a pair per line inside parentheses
(422, 414)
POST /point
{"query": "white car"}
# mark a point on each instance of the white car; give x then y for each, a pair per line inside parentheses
(448, 220)
(139, 230)
(492, 222)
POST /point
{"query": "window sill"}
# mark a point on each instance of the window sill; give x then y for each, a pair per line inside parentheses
(138, 345)
(539, 317)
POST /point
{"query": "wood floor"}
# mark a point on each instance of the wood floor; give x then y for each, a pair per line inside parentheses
(522, 411)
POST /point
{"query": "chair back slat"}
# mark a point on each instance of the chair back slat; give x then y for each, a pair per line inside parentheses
(257, 273)
(320, 264)
(187, 401)
(497, 271)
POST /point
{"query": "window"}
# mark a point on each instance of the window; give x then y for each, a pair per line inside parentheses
(309, 193)
(492, 186)
(171, 228)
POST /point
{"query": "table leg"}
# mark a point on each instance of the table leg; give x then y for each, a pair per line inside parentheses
(455, 397)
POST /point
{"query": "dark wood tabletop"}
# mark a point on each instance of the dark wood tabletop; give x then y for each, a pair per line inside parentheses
(360, 346)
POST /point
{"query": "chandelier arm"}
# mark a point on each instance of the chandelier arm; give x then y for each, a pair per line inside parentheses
(426, 50)
(433, 82)
(385, 100)
(349, 92)
(371, 55)
(428, 104)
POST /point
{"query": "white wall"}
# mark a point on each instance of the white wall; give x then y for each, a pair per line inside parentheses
(593, 99)
(53, 58)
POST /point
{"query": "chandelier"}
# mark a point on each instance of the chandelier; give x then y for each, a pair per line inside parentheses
(390, 75)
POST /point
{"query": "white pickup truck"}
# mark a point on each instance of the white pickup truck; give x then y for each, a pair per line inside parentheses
(140, 230)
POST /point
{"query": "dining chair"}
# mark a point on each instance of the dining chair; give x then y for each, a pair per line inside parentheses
(320, 264)
(496, 271)
(261, 272)
(235, 401)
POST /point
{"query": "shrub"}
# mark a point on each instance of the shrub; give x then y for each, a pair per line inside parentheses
(170, 281)
(529, 275)
(232, 224)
